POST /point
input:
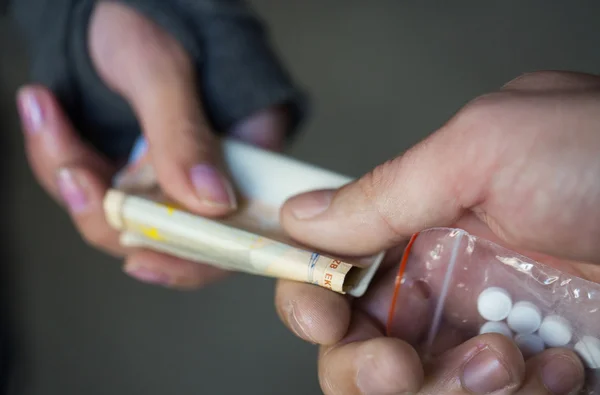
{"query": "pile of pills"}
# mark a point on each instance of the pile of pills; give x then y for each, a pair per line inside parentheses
(524, 323)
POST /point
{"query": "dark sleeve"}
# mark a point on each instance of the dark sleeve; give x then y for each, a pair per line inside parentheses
(239, 70)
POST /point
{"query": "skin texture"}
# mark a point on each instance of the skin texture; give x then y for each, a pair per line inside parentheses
(518, 166)
(149, 68)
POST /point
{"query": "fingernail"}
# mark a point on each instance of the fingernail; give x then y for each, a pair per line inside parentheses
(561, 375)
(296, 324)
(370, 379)
(212, 186)
(310, 205)
(366, 375)
(71, 191)
(30, 111)
(485, 373)
(148, 276)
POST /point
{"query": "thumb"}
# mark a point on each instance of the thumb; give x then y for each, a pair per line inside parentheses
(521, 161)
(402, 196)
(153, 72)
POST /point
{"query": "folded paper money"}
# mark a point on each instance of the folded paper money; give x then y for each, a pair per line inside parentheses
(250, 240)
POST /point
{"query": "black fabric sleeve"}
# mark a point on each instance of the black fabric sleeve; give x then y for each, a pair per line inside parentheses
(242, 72)
(239, 71)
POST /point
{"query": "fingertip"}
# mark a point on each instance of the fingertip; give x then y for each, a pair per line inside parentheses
(331, 220)
(308, 206)
(51, 139)
(81, 190)
(388, 366)
(190, 171)
(144, 274)
(202, 189)
(375, 366)
(39, 108)
(213, 188)
(557, 371)
(490, 362)
(314, 314)
(30, 89)
(507, 350)
(34, 106)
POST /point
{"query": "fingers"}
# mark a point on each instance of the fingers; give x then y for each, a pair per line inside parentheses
(367, 364)
(168, 271)
(320, 316)
(157, 77)
(488, 161)
(412, 192)
(487, 364)
(554, 372)
(313, 313)
(69, 170)
(50, 139)
(77, 177)
(491, 363)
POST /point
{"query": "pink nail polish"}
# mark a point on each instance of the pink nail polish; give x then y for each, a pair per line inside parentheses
(30, 111)
(148, 276)
(212, 187)
(71, 191)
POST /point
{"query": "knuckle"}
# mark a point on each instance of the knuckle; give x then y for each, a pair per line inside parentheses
(376, 188)
(478, 110)
(377, 181)
(484, 114)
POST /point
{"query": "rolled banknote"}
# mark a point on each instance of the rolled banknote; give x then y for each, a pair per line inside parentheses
(251, 240)
(146, 221)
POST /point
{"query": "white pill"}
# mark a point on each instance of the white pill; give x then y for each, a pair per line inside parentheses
(588, 349)
(524, 318)
(494, 304)
(530, 344)
(556, 331)
(496, 327)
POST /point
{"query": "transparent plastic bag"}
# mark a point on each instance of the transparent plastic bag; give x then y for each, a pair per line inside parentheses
(468, 278)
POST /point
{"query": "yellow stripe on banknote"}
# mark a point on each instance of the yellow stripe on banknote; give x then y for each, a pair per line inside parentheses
(152, 233)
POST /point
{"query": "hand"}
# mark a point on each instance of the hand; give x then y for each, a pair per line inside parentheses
(520, 167)
(149, 68)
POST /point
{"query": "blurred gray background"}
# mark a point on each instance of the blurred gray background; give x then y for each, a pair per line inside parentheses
(383, 74)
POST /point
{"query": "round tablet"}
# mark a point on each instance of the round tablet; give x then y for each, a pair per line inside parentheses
(524, 318)
(530, 344)
(588, 349)
(556, 331)
(494, 304)
(496, 327)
